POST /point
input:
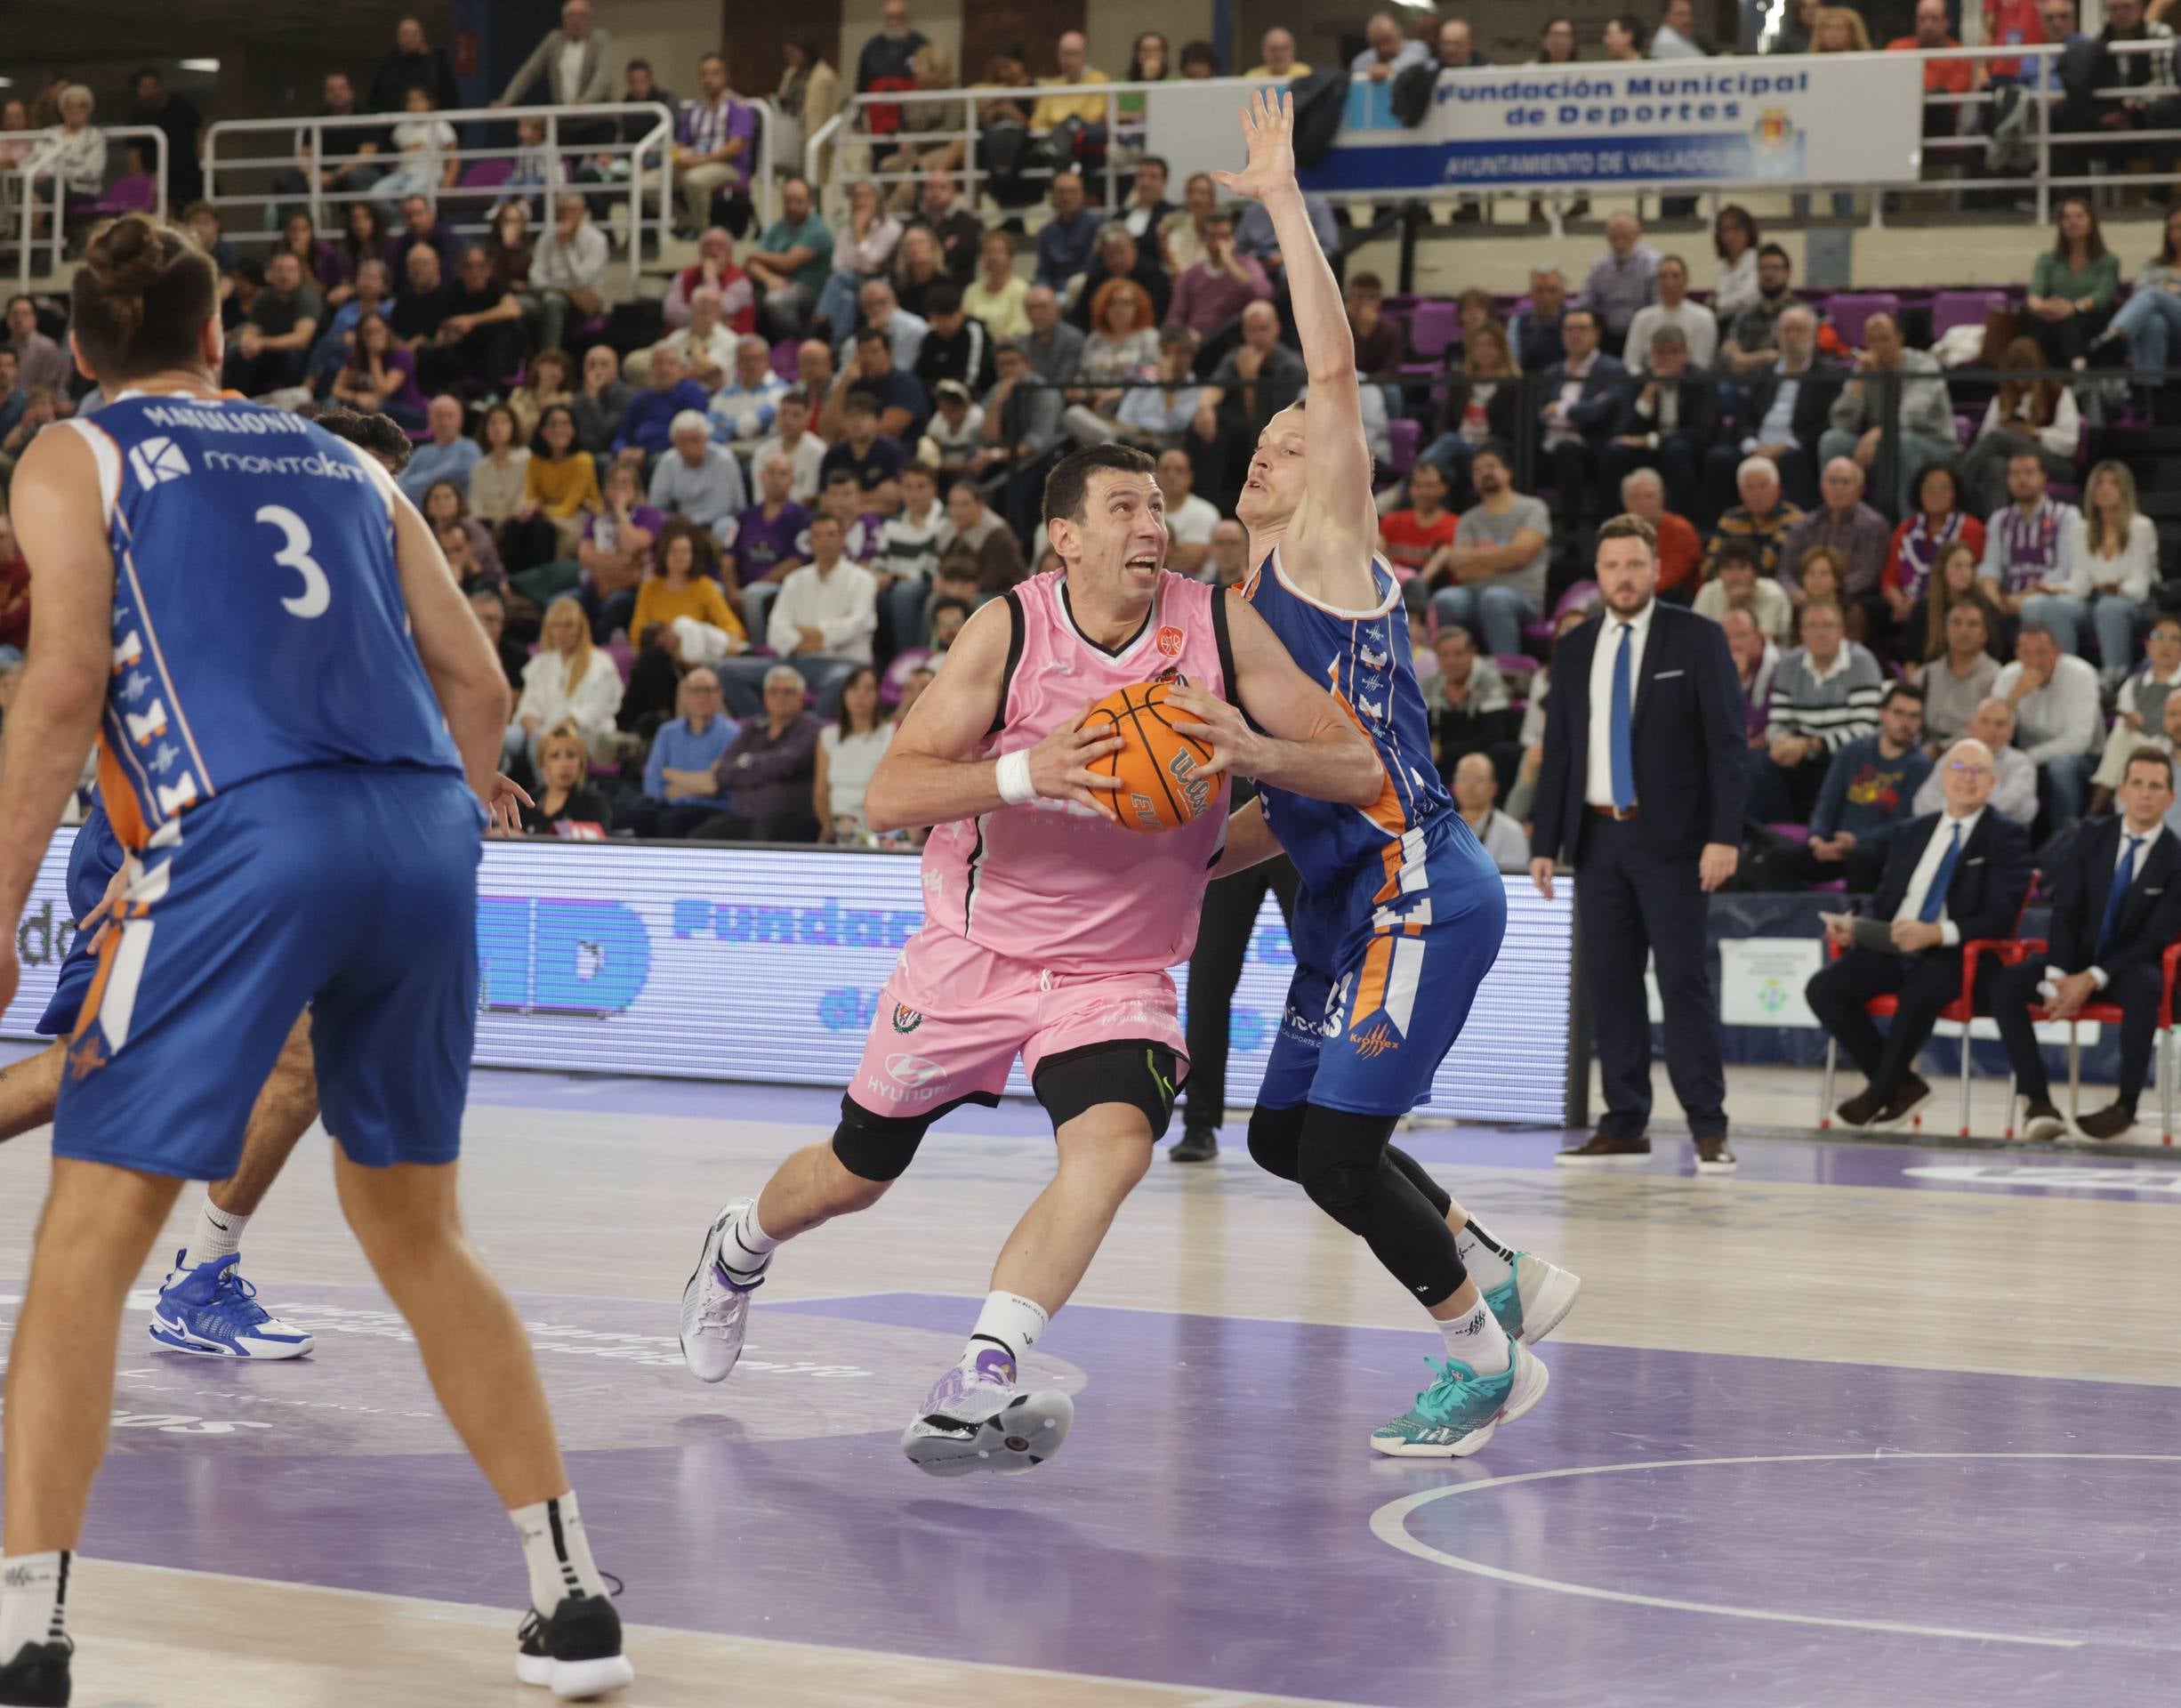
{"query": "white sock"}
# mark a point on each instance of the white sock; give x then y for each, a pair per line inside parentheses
(218, 1234)
(558, 1553)
(1478, 1340)
(33, 1600)
(1009, 1321)
(745, 1248)
(1488, 1262)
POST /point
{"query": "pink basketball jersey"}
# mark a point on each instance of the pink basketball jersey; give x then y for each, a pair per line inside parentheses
(1053, 883)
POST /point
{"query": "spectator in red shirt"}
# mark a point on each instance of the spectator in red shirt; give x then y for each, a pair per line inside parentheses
(1941, 76)
(2012, 23)
(14, 591)
(1923, 539)
(1409, 538)
(715, 266)
(1680, 549)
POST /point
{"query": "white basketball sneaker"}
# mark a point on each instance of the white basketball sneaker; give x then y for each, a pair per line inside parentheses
(974, 1419)
(715, 1306)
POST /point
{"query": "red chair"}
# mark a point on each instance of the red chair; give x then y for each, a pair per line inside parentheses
(1961, 1011)
(2109, 1014)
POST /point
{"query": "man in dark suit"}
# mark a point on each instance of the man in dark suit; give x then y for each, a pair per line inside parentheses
(1782, 415)
(1667, 425)
(1642, 789)
(1951, 877)
(2118, 907)
(1582, 392)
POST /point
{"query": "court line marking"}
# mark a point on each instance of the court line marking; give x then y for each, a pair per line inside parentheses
(495, 1618)
(1389, 1524)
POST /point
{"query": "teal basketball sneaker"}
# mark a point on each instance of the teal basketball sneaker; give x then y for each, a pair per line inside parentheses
(1534, 1299)
(1457, 1414)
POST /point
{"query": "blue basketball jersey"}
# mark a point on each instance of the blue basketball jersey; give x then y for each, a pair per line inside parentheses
(259, 623)
(1362, 658)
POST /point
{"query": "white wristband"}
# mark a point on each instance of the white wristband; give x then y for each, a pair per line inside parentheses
(1012, 775)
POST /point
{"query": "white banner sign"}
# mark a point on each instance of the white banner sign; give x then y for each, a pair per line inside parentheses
(1761, 979)
(1830, 118)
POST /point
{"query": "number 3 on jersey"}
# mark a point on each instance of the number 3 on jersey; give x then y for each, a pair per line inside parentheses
(294, 553)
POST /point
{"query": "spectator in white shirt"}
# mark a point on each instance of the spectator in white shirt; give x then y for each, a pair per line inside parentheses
(2056, 710)
(1676, 35)
(2139, 714)
(2015, 794)
(1392, 49)
(2113, 560)
(1477, 787)
(1695, 322)
(827, 611)
(706, 346)
(743, 408)
(793, 439)
(568, 269)
(696, 477)
(1189, 519)
(569, 678)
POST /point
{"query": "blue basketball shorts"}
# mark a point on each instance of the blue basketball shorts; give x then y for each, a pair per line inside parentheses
(94, 858)
(349, 889)
(1385, 973)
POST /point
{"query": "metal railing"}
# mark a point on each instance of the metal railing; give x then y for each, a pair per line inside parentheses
(649, 190)
(30, 175)
(2037, 77)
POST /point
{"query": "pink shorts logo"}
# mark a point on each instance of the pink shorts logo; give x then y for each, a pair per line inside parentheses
(914, 1070)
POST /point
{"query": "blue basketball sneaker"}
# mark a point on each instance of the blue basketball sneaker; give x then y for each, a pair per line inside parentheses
(1457, 1414)
(211, 1312)
(1534, 1299)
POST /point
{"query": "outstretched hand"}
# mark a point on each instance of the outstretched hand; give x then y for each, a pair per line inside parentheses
(1268, 124)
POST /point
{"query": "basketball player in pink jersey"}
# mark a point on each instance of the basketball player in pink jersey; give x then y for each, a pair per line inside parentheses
(1401, 912)
(1048, 930)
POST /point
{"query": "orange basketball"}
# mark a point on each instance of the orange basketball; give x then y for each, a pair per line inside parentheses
(1161, 785)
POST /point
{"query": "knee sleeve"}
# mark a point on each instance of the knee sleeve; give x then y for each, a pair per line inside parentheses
(878, 1147)
(1276, 1136)
(1347, 1168)
(1337, 1163)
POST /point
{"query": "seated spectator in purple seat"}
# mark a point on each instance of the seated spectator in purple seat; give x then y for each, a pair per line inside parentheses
(2028, 546)
(647, 425)
(681, 782)
(767, 539)
(478, 341)
(272, 349)
(1867, 795)
(769, 771)
(1824, 696)
(1381, 341)
(446, 456)
(380, 376)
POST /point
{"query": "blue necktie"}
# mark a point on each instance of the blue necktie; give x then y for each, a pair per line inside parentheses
(1623, 754)
(1934, 898)
(2121, 879)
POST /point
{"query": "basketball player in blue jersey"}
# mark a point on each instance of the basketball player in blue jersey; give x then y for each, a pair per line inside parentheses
(1401, 911)
(297, 718)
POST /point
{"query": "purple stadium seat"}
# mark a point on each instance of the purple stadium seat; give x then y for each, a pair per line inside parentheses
(1951, 309)
(1401, 442)
(784, 360)
(623, 655)
(1431, 329)
(1848, 310)
(487, 175)
(135, 194)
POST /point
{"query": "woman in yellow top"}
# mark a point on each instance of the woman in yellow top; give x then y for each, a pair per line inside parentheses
(561, 482)
(996, 296)
(682, 585)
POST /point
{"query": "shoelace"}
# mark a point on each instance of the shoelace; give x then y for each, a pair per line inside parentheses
(720, 1309)
(237, 1298)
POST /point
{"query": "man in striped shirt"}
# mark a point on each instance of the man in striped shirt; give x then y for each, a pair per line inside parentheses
(713, 143)
(2025, 544)
(1824, 695)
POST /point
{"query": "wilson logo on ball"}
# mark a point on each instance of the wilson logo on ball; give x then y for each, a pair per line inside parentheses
(1160, 768)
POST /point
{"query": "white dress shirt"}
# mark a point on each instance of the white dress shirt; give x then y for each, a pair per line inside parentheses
(2099, 975)
(1928, 868)
(840, 604)
(1598, 774)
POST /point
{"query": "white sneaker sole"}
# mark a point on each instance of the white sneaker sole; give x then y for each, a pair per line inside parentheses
(699, 1278)
(577, 1680)
(1726, 1165)
(1020, 1436)
(170, 1336)
(1545, 1307)
(1531, 1378)
(1633, 1159)
(2044, 1130)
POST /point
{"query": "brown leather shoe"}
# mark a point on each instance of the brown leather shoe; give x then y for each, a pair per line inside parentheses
(1713, 1158)
(2041, 1123)
(1859, 1109)
(2112, 1122)
(1602, 1150)
(1912, 1095)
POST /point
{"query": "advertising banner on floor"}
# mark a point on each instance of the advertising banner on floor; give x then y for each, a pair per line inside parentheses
(765, 964)
(1832, 118)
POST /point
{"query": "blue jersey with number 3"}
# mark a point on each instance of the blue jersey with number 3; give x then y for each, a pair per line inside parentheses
(259, 623)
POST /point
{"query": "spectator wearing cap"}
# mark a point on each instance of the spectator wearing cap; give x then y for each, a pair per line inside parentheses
(1392, 49)
(715, 143)
(745, 406)
(956, 348)
(647, 425)
(902, 404)
(681, 785)
(1211, 295)
(1120, 256)
(961, 233)
(793, 439)
(1064, 242)
(697, 478)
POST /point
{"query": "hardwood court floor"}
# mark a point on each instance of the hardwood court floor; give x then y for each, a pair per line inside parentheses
(1840, 1429)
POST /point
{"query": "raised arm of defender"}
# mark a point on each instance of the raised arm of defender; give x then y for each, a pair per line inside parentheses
(1336, 503)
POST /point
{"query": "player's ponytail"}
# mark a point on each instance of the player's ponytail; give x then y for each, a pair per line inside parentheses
(141, 299)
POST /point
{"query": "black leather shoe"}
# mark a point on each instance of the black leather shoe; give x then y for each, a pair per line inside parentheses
(1196, 1145)
(1603, 1150)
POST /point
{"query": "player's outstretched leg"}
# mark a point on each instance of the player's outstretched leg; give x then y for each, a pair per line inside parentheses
(974, 1419)
(97, 1230)
(480, 1362)
(205, 1308)
(866, 1155)
(1529, 1296)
